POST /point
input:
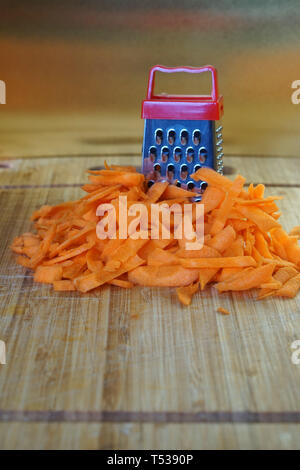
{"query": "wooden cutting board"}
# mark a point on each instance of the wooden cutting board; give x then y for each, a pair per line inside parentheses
(132, 369)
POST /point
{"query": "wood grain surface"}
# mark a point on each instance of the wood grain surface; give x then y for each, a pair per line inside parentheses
(125, 369)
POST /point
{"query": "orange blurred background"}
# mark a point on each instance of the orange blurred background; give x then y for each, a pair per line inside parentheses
(83, 65)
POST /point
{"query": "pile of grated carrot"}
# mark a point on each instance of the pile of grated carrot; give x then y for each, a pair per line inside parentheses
(244, 247)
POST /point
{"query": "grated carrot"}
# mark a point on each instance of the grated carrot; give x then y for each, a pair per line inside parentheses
(244, 246)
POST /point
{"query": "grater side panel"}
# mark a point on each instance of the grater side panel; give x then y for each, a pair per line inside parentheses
(185, 152)
(218, 144)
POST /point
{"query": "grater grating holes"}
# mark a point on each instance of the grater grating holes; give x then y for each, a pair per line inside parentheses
(171, 137)
(177, 154)
(165, 153)
(183, 172)
(202, 155)
(157, 168)
(170, 171)
(190, 154)
(152, 154)
(159, 136)
(184, 137)
(174, 144)
(196, 137)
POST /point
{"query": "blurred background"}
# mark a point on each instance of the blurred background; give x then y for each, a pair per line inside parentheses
(76, 72)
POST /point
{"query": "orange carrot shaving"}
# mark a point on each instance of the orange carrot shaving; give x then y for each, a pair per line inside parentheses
(121, 283)
(223, 240)
(262, 246)
(156, 190)
(248, 279)
(48, 274)
(63, 285)
(295, 231)
(205, 252)
(213, 178)
(90, 281)
(236, 248)
(173, 192)
(263, 220)
(227, 273)
(185, 294)
(161, 257)
(227, 205)
(164, 276)
(212, 198)
(93, 260)
(206, 275)
(271, 285)
(228, 262)
(223, 311)
(112, 265)
(290, 288)
(258, 191)
(127, 179)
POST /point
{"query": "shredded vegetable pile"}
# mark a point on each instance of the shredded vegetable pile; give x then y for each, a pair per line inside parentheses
(245, 246)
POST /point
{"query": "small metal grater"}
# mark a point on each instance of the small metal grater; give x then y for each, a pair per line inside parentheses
(182, 133)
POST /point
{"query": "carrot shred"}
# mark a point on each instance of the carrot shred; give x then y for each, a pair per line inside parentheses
(173, 192)
(236, 248)
(205, 252)
(222, 262)
(223, 311)
(127, 179)
(121, 283)
(156, 190)
(262, 246)
(248, 279)
(290, 288)
(295, 231)
(244, 246)
(48, 274)
(271, 285)
(212, 198)
(264, 221)
(212, 178)
(227, 205)
(185, 294)
(206, 275)
(223, 240)
(228, 273)
(63, 285)
(160, 257)
(163, 276)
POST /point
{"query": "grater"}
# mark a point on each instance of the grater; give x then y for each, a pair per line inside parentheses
(182, 133)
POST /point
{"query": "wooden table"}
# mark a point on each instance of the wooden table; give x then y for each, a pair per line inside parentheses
(132, 369)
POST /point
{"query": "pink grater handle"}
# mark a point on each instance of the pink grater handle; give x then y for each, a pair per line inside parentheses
(161, 68)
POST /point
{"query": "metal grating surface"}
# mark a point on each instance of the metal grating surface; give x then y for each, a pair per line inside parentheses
(173, 150)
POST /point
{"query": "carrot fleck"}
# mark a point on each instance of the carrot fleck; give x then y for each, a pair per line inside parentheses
(224, 311)
(63, 285)
(186, 293)
(48, 274)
